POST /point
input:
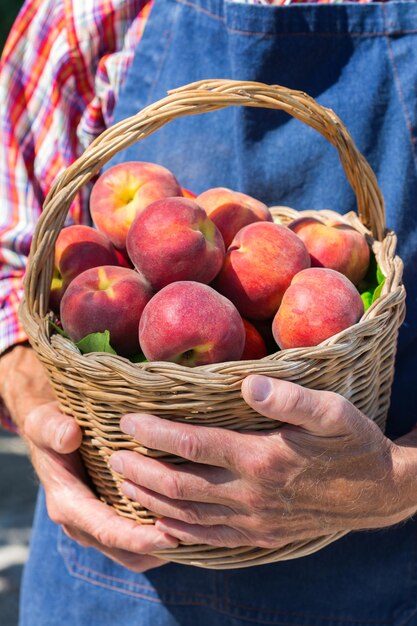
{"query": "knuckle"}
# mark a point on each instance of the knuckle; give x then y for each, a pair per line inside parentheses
(105, 537)
(32, 420)
(68, 531)
(269, 540)
(190, 446)
(260, 463)
(174, 488)
(55, 514)
(192, 514)
(294, 399)
(263, 542)
(339, 410)
(252, 499)
(75, 536)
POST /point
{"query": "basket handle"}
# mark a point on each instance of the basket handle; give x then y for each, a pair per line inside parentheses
(198, 97)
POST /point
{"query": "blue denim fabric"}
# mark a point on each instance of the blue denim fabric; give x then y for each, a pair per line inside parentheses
(360, 60)
(364, 579)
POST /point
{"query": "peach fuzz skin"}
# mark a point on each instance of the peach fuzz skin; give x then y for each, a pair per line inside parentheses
(319, 303)
(231, 210)
(191, 324)
(124, 190)
(334, 245)
(255, 347)
(78, 248)
(106, 298)
(259, 266)
(173, 239)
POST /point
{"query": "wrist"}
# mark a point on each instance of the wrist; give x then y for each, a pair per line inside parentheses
(23, 383)
(405, 472)
(6, 368)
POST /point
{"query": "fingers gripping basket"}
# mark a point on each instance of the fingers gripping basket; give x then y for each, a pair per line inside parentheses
(97, 389)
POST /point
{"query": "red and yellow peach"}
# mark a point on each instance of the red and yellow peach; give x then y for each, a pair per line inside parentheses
(191, 324)
(334, 245)
(173, 239)
(124, 190)
(232, 210)
(106, 298)
(78, 248)
(259, 266)
(319, 303)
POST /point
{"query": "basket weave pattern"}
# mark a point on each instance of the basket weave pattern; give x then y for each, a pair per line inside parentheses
(97, 389)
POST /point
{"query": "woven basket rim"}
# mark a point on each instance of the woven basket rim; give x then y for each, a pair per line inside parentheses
(393, 289)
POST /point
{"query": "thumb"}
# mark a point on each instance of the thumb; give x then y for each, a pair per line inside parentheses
(320, 412)
(48, 428)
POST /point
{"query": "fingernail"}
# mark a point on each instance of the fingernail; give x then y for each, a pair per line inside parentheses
(116, 463)
(62, 431)
(260, 388)
(128, 490)
(127, 425)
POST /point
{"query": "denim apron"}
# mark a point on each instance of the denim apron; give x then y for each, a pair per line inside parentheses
(360, 60)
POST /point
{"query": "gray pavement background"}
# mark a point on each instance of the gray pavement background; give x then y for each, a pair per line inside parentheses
(18, 487)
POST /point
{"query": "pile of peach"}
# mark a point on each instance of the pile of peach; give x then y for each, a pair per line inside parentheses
(206, 279)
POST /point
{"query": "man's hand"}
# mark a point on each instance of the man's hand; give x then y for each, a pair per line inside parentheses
(53, 439)
(328, 469)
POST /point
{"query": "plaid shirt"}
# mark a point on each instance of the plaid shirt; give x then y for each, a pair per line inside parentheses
(60, 72)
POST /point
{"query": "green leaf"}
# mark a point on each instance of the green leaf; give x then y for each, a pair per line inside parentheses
(377, 291)
(96, 342)
(138, 358)
(367, 299)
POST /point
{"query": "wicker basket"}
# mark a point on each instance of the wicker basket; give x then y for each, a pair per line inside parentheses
(97, 388)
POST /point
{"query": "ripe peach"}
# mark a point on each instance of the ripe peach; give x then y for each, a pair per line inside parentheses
(259, 266)
(123, 191)
(191, 324)
(255, 347)
(188, 194)
(231, 210)
(106, 298)
(319, 303)
(173, 239)
(334, 245)
(78, 248)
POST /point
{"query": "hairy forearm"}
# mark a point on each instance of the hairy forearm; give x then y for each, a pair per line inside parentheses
(407, 468)
(23, 382)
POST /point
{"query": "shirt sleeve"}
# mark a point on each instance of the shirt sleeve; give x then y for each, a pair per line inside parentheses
(47, 83)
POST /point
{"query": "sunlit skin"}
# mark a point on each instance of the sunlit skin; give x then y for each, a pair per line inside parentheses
(53, 440)
(328, 468)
